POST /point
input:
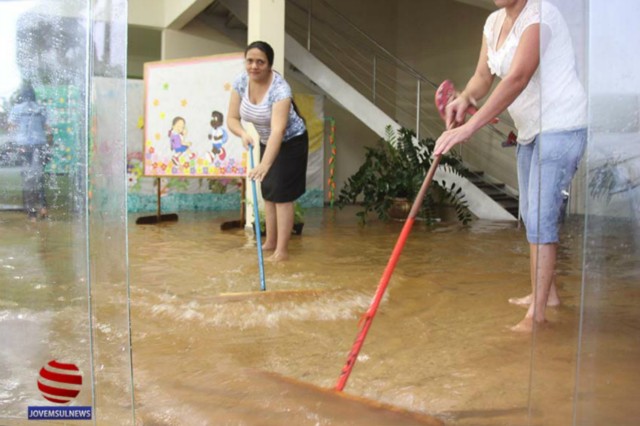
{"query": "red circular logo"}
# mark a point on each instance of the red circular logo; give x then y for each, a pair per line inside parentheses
(59, 382)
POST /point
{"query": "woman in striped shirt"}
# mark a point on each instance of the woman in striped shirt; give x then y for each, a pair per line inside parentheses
(263, 98)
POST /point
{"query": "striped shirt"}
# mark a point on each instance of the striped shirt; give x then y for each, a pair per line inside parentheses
(260, 114)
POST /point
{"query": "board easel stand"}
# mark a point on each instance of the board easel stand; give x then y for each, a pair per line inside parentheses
(159, 217)
(173, 217)
(232, 224)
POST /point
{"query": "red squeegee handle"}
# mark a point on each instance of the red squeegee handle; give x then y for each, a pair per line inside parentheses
(386, 276)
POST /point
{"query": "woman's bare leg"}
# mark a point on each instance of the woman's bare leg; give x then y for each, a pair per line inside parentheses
(284, 214)
(554, 299)
(270, 241)
(543, 264)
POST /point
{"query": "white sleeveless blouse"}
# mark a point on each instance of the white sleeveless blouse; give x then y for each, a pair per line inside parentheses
(554, 99)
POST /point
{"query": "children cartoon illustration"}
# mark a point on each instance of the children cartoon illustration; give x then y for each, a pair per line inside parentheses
(218, 136)
(177, 135)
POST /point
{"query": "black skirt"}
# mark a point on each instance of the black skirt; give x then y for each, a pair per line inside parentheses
(286, 180)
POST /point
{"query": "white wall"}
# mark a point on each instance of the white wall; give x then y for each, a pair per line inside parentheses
(417, 33)
(146, 13)
(195, 39)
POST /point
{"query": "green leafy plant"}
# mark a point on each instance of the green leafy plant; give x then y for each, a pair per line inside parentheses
(298, 218)
(298, 213)
(395, 168)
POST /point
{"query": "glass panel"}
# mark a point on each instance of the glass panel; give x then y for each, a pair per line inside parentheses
(107, 192)
(64, 321)
(608, 376)
(557, 158)
(584, 365)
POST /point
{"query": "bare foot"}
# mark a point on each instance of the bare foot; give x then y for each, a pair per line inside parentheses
(526, 325)
(278, 257)
(521, 301)
(268, 245)
(526, 301)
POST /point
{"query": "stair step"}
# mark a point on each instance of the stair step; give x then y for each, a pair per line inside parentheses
(493, 191)
(509, 204)
(513, 211)
(473, 176)
(475, 180)
(503, 197)
(497, 191)
(488, 185)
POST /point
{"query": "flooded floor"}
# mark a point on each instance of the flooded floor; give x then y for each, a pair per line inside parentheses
(439, 347)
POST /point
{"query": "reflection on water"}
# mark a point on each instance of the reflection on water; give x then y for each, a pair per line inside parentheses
(440, 344)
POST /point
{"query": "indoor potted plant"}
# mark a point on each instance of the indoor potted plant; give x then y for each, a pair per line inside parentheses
(391, 175)
(298, 220)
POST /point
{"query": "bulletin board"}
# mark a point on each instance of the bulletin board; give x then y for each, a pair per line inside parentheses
(185, 128)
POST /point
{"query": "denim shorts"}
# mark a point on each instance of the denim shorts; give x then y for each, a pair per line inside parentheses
(545, 169)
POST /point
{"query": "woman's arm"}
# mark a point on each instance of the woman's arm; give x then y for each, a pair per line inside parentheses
(524, 65)
(279, 119)
(477, 88)
(233, 120)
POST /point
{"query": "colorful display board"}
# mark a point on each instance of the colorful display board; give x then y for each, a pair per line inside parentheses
(186, 102)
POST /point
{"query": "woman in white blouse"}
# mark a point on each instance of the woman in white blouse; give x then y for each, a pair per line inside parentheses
(550, 118)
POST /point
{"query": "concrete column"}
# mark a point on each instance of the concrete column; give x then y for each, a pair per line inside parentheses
(266, 23)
